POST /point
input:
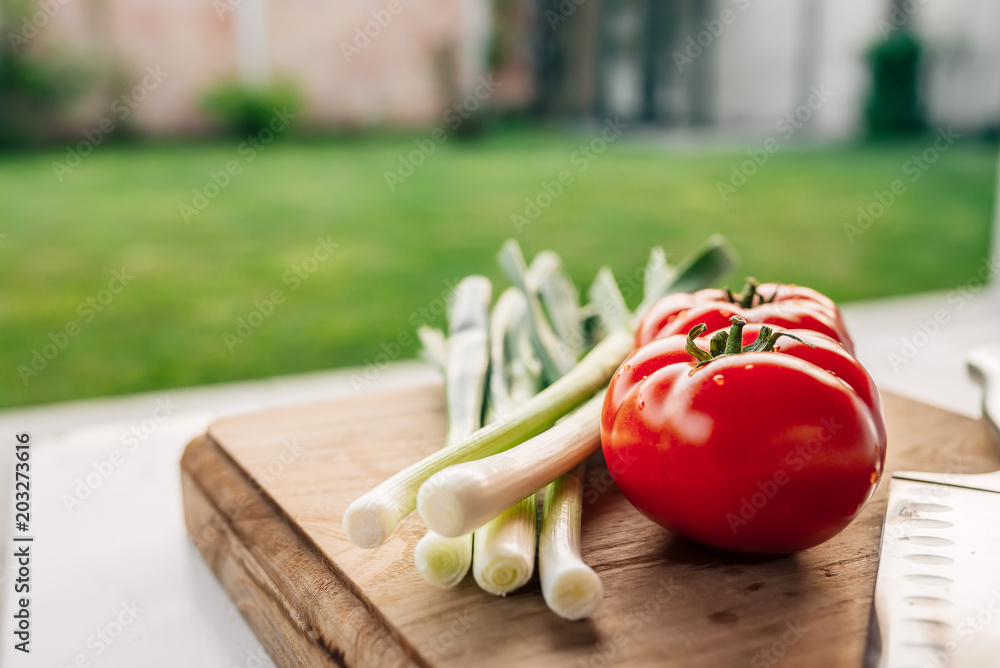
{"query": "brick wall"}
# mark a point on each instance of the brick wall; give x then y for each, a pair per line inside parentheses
(357, 62)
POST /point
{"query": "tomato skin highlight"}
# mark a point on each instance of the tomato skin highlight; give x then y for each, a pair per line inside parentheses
(765, 452)
(789, 306)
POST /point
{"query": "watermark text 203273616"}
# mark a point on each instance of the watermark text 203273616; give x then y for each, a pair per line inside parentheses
(22, 542)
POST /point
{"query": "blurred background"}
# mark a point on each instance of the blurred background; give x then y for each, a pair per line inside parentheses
(198, 191)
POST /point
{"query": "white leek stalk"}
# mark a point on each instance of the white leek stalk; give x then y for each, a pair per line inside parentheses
(515, 371)
(607, 299)
(557, 356)
(444, 562)
(504, 559)
(570, 587)
(559, 297)
(433, 346)
(370, 519)
(461, 498)
(468, 357)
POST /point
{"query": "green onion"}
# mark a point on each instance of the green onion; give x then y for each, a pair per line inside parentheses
(433, 346)
(657, 278)
(557, 356)
(504, 559)
(443, 562)
(571, 588)
(465, 496)
(559, 298)
(370, 520)
(504, 556)
(505, 546)
(515, 372)
(468, 357)
(608, 301)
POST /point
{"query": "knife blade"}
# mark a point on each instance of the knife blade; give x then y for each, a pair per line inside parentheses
(937, 590)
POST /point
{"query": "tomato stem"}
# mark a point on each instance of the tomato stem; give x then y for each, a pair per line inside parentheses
(724, 344)
(749, 293)
(693, 348)
(747, 297)
(734, 344)
(750, 296)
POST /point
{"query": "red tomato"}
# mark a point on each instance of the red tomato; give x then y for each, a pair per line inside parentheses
(791, 306)
(762, 451)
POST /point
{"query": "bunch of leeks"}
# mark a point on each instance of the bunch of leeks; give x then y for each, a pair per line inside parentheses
(524, 386)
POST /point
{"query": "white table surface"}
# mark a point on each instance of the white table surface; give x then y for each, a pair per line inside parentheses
(125, 549)
(123, 555)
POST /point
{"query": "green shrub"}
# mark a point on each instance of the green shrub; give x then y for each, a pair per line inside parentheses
(894, 107)
(243, 110)
(33, 88)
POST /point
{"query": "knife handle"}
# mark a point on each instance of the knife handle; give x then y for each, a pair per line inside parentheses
(984, 367)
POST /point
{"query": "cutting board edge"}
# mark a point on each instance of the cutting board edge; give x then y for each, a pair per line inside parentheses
(225, 552)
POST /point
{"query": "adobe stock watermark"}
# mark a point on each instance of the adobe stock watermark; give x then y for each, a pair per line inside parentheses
(363, 35)
(899, 16)
(211, 531)
(595, 486)
(258, 656)
(219, 180)
(7, 568)
(630, 285)
(293, 277)
(59, 340)
(779, 648)
(107, 635)
(438, 646)
(452, 119)
(785, 127)
(35, 23)
(579, 161)
(393, 350)
(596, 483)
(769, 488)
(929, 327)
(966, 630)
(85, 487)
(562, 12)
(697, 45)
(914, 168)
(635, 620)
(224, 7)
(121, 108)
(256, 653)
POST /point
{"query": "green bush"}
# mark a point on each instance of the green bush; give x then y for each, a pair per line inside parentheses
(894, 107)
(33, 88)
(243, 110)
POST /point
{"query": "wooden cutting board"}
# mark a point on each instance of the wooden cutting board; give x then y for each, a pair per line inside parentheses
(264, 495)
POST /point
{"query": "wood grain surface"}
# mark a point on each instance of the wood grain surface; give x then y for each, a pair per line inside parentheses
(264, 495)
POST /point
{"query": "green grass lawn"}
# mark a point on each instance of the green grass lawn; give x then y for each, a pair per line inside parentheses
(398, 252)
